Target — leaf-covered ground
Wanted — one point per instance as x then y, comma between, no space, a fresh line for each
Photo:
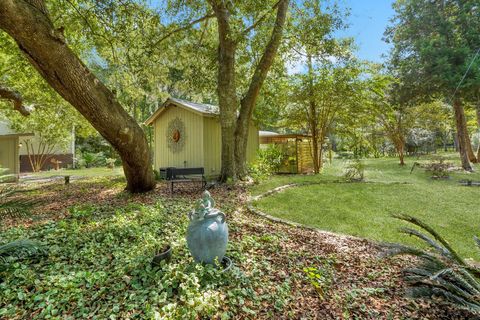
101,241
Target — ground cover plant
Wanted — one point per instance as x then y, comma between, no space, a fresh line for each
100,242
364,209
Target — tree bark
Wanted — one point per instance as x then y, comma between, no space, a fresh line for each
315,147
247,103
468,144
461,124
28,23
400,146
477,112
16,98
226,90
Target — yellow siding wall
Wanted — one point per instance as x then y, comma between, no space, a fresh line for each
213,145
253,143
192,151
9,154
212,140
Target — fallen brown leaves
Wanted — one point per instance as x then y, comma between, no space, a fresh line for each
363,287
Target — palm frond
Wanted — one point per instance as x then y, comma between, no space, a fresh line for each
14,207
20,249
442,273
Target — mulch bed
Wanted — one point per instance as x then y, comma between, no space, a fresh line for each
363,287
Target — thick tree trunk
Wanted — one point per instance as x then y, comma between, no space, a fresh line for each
226,90
461,124
45,47
248,102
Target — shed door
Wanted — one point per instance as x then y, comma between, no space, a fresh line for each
7,154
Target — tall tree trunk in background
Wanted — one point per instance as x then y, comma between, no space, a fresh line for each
247,104
312,116
468,144
27,22
477,112
400,146
461,124
315,143
226,90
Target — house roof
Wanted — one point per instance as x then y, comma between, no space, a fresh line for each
267,133
200,108
7,131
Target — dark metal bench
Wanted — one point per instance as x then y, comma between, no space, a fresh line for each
179,175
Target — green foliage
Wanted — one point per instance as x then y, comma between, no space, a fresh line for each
322,277
355,170
268,162
100,263
90,160
442,273
434,43
110,162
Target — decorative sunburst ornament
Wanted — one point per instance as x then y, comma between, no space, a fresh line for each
176,135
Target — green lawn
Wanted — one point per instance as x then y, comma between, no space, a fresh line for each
83,173
363,209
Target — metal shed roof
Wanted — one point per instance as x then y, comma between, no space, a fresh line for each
201,108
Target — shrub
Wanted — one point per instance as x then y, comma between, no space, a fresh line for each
110,162
441,273
268,161
439,169
90,160
355,170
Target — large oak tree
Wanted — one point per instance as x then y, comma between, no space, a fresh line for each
44,45
235,128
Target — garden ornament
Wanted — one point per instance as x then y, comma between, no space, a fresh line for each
207,233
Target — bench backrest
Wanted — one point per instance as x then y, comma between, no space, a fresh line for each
172,173
187,171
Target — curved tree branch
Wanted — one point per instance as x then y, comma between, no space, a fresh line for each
16,98
260,20
182,28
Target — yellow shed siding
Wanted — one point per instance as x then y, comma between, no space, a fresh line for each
253,143
9,154
213,145
192,154
212,140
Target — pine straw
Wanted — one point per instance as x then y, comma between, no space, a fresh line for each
364,286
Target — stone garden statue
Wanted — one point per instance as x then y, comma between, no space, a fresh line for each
207,233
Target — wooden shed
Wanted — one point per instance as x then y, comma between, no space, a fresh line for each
296,147
9,149
188,135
